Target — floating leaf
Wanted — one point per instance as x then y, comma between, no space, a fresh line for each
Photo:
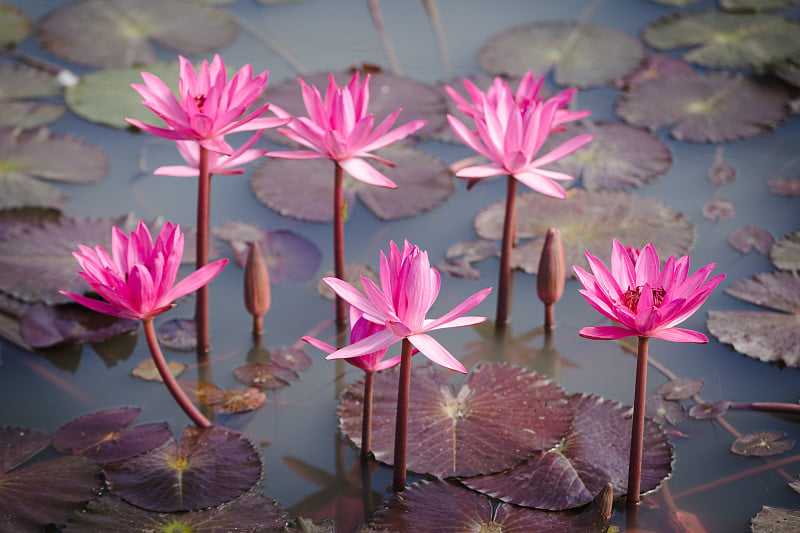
588,222
705,411
761,444
241,399
718,209
14,26
303,189
501,415
352,275
20,191
582,55
201,392
45,326
595,451
680,389
726,40
764,335
660,410
116,33
265,376
706,107
187,476
19,83
27,115
784,187
459,257
785,254
721,172
178,334
619,157
774,520
751,237
291,358
754,5
102,437
655,66
148,371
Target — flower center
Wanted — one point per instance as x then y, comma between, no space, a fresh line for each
630,298
199,100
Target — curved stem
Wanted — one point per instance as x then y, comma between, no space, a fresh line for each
401,427
770,407
504,281
169,380
203,214
366,416
637,431
338,244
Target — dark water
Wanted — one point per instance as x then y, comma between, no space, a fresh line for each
299,422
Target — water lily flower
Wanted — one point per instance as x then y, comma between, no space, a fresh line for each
210,105
339,128
644,299
217,163
138,279
409,287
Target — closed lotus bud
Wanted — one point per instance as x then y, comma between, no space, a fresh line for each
552,272
257,293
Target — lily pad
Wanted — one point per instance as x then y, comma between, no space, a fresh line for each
661,411
148,371
620,156
265,376
754,5
765,335
708,410
762,444
785,254
501,415
303,189
726,40
27,115
774,520
45,326
582,55
718,209
188,476
19,84
459,257
588,222
291,358
784,187
595,451
14,26
117,33
240,400
680,389
18,190
706,107
655,66
178,334
721,172
751,237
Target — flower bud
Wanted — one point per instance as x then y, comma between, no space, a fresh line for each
552,273
257,294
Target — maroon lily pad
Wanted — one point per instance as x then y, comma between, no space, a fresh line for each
352,275
706,107
420,508
718,209
102,436
784,187
265,376
14,26
595,451
178,334
708,410
619,157
582,55
661,410
655,66
501,415
303,189
751,237
785,254
210,466
774,520
45,326
251,512
680,389
767,336
45,492
115,33
762,444
588,221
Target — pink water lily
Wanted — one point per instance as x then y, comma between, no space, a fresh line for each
217,163
138,279
644,299
339,128
409,287
210,105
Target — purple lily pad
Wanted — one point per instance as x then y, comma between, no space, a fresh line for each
655,66
706,107
265,376
419,508
784,187
595,451
288,255
718,209
774,520
178,334
116,33
751,237
582,55
501,415
188,476
44,326
303,189
708,410
45,492
588,221
251,512
767,336
619,157
762,444
785,254
352,274
680,389
14,26
661,411
102,437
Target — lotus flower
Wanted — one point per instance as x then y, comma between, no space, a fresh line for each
409,287
137,281
340,129
217,163
643,299
210,105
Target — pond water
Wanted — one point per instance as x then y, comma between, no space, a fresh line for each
298,425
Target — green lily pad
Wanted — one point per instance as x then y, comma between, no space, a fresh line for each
582,55
14,26
727,40
18,191
785,254
118,33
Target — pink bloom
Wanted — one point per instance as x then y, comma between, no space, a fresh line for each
137,280
510,133
409,286
340,129
217,163
644,300
210,106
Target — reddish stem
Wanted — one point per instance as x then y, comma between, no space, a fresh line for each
637,431
338,245
504,281
549,317
169,380
203,214
366,416
401,427
770,407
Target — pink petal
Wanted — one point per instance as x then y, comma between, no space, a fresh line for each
195,280
462,308
99,305
563,150
605,333
537,182
437,353
324,346
363,171
482,171
366,346
680,335
350,295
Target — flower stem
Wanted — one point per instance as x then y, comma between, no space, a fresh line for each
366,416
203,214
504,281
637,431
770,407
401,427
549,317
169,380
338,244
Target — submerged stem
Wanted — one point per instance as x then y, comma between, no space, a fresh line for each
504,280
203,215
637,431
401,426
338,244
366,416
